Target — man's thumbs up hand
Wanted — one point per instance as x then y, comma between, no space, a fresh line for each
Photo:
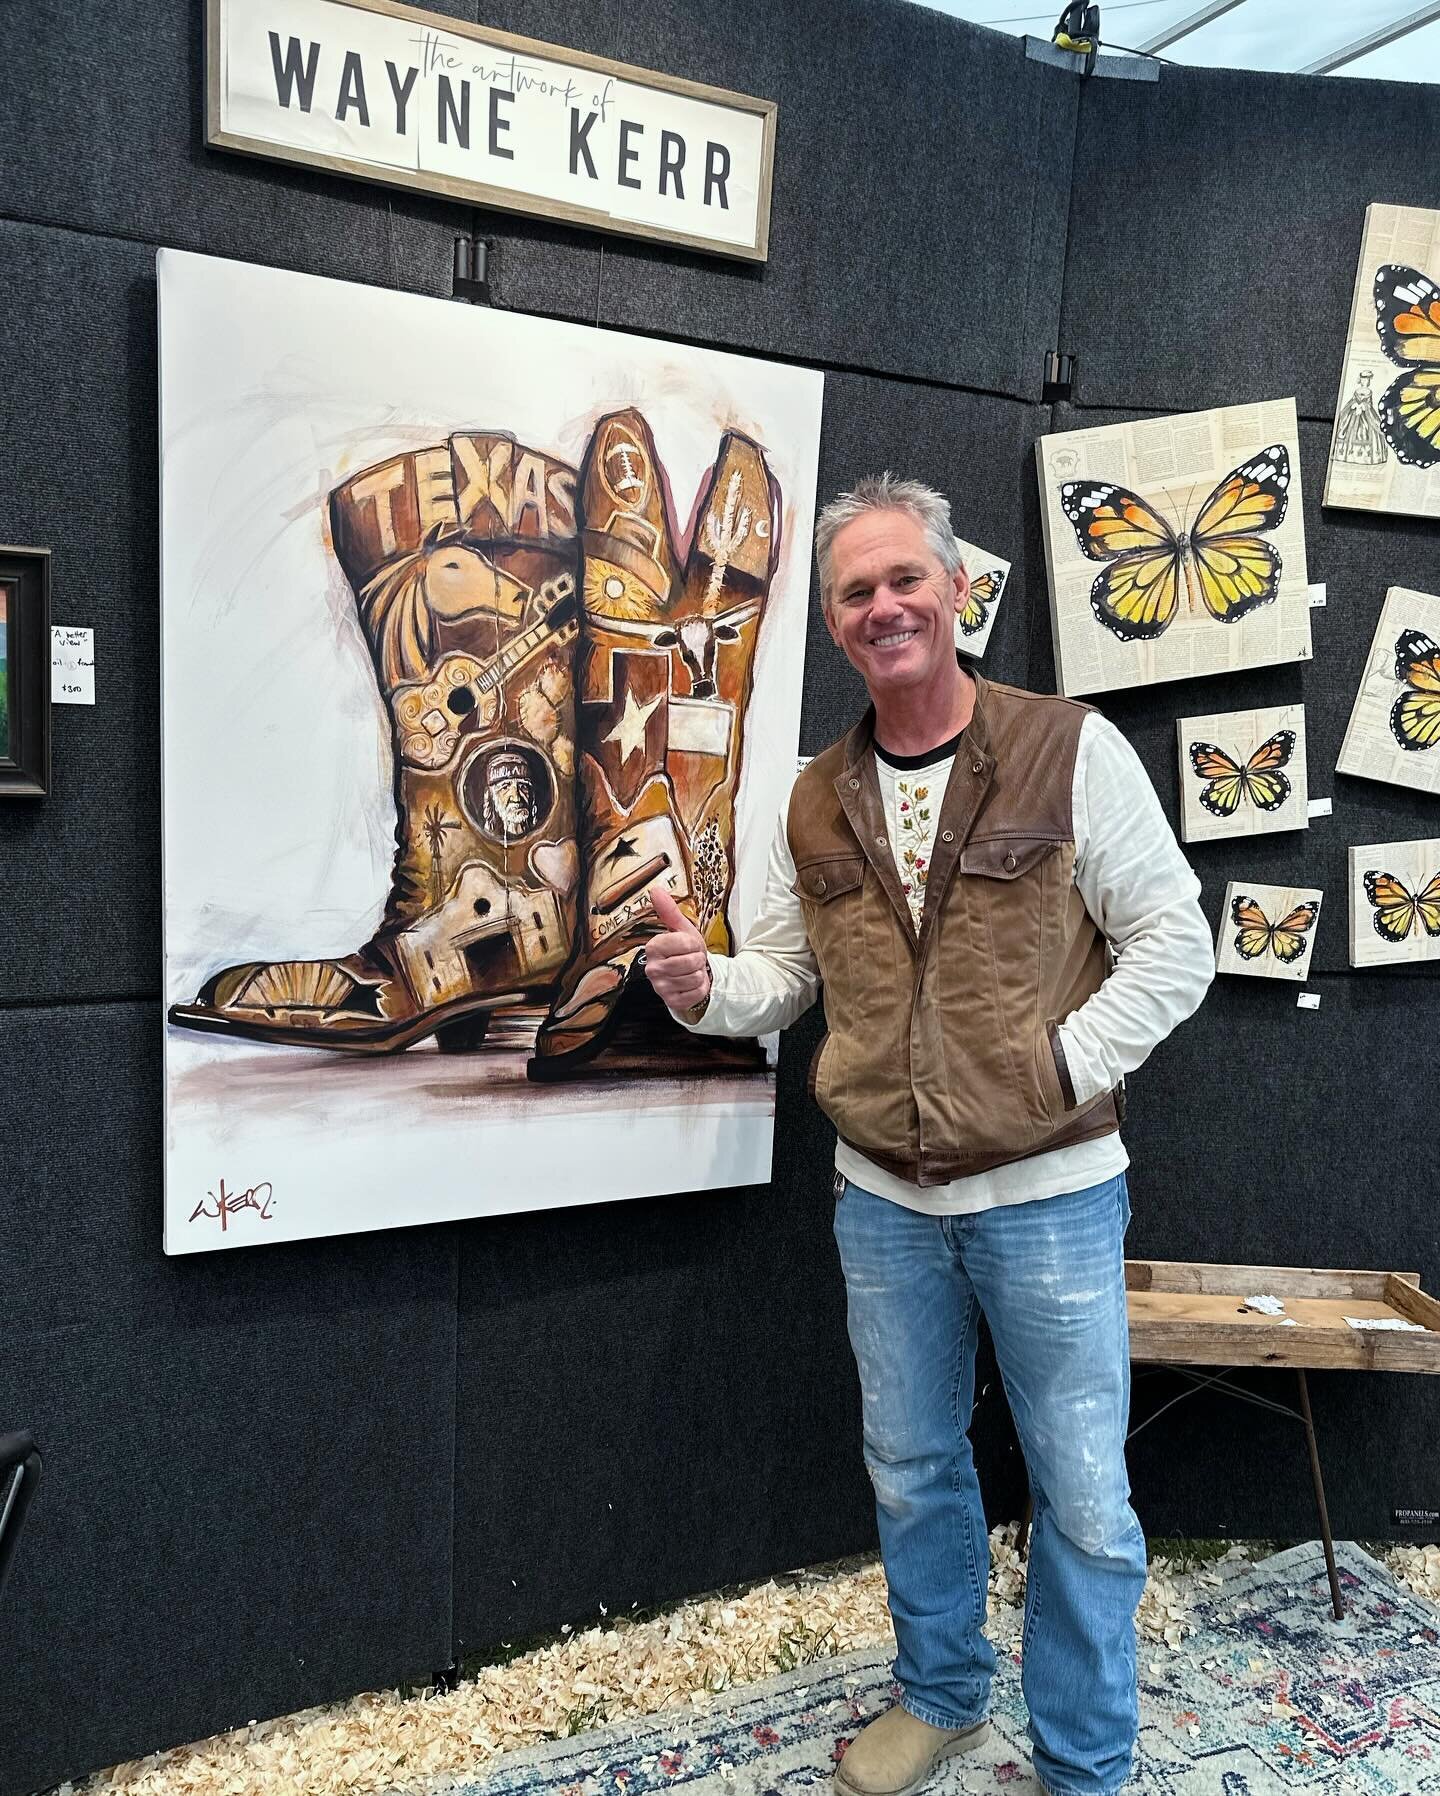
676,963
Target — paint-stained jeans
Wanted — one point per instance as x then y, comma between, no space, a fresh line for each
1049,1276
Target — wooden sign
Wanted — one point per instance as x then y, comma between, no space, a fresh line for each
1385,447
1394,903
1242,773
1267,931
1394,728
387,93
1175,547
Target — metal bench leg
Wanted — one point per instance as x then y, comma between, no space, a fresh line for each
1336,1600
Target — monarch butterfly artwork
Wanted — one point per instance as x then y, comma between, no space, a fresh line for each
1407,320
1219,560
1256,935
1229,781
1415,715
985,590
1398,910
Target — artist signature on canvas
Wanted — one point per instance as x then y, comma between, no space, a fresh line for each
219,1206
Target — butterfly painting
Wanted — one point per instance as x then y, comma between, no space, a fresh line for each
1267,930
974,621
1407,320
984,591
1415,715
1258,780
1394,903
1219,559
1398,910
1286,939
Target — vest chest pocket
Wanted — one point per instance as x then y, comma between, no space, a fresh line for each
1007,857
822,880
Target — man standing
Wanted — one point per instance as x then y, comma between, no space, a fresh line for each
984,883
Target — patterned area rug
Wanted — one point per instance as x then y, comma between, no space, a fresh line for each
1270,1696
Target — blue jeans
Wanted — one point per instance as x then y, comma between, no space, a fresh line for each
1049,1276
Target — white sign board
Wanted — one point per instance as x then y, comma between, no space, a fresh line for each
413,99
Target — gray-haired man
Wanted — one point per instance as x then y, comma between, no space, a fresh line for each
956,872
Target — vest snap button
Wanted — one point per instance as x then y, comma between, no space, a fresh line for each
1009,863
818,885
881,841
977,766
947,835
854,785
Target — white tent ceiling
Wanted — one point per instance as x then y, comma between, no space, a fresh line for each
1393,40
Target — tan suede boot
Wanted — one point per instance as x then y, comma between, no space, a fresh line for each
897,1752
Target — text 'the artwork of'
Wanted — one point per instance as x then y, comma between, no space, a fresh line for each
976,618
1267,931
1242,773
476,628
1394,903
1175,547
1385,449
1394,729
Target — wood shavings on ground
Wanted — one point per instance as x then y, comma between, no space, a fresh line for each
384,1740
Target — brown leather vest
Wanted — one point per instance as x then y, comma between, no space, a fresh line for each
942,1058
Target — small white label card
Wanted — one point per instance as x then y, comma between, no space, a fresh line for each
1317,595
1319,807
72,665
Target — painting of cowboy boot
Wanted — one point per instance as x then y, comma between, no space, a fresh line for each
665,678
452,669
462,560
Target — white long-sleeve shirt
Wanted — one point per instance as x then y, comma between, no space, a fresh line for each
1136,885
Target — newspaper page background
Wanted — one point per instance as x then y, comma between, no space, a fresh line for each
1276,902
1239,734
973,636
1415,864
1363,470
1371,750
1173,463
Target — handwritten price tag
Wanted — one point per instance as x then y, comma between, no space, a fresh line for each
1308,1001
72,665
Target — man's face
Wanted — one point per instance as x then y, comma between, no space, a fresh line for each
892,604
512,799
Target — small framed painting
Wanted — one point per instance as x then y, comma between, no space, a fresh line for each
1394,903
1242,773
24,672
988,575
1267,931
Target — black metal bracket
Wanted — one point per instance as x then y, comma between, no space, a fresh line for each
471,277
1059,376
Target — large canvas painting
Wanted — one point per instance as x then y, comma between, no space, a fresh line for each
477,628
1175,547
1385,447
1394,728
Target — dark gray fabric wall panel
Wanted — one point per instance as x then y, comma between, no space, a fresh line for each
1216,230
111,140
978,451
1266,1135
80,870
921,181
246,1504
1357,557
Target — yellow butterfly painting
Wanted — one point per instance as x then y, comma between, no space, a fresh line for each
1229,781
1415,715
985,591
1407,319
1287,940
1219,560
1398,910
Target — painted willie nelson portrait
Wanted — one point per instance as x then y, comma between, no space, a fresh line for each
468,644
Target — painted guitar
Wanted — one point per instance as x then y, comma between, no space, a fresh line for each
431,714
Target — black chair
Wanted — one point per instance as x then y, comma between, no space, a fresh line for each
20,1468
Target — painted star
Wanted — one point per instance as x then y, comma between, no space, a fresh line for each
624,849
630,731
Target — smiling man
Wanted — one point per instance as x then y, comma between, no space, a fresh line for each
960,873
